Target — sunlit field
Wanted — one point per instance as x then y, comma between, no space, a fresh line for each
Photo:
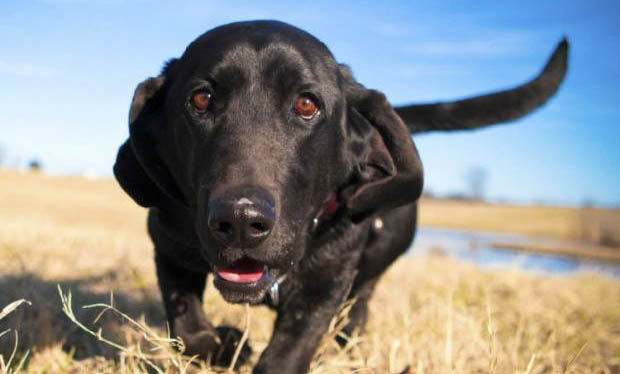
428,315
599,227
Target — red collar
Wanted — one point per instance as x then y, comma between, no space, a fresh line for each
330,207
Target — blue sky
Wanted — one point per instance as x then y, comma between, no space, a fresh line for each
68,69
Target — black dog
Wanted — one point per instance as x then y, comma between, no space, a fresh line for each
263,161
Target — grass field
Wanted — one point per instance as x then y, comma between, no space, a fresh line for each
577,232
598,226
429,315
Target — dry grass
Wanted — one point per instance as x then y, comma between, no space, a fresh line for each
430,315
599,226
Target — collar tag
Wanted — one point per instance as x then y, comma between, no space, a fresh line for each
274,291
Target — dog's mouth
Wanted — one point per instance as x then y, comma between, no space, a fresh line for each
244,281
244,271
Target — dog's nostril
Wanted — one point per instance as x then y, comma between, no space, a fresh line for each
223,227
242,217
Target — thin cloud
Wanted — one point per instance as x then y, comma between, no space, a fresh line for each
398,30
504,44
426,70
73,2
28,70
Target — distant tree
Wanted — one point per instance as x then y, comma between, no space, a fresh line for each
476,179
587,203
428,194
35,165
457,196
2,155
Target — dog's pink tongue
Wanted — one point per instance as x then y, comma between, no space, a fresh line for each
242,272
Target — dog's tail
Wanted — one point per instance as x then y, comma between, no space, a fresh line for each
493,108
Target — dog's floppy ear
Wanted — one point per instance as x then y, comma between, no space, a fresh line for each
387,168
139,168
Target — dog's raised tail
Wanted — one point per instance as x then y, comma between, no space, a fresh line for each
489,109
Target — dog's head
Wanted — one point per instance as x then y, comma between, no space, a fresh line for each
266,144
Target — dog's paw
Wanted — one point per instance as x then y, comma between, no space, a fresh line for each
229,338
203,343
217,345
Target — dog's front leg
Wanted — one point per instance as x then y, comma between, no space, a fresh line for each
304,318
182,293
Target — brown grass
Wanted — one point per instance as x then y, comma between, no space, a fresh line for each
430,315
602,254
597,226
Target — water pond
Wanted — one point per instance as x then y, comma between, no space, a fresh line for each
476,247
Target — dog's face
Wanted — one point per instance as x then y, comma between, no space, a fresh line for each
267,143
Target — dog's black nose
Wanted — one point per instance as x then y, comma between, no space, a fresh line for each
242,217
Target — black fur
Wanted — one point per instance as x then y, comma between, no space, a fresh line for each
178,160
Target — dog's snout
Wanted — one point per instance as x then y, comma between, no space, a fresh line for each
242,218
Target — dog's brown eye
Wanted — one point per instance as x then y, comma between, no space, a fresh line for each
201,100
305,107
